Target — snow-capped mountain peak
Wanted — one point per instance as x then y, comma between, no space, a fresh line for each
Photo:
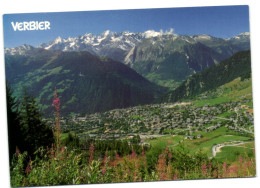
106,33
241,36
127,33
117,45
244,34
123,40
58,40
20,50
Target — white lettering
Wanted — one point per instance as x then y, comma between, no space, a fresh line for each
20,26
26,25
47,25
30,26
14,25
41,26
36,25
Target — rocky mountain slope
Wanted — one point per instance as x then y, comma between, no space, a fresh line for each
85,83
164,58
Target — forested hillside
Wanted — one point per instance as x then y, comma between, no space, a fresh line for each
239,65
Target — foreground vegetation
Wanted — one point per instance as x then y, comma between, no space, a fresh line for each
59,166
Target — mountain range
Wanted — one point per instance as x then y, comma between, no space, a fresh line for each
164,58
94,73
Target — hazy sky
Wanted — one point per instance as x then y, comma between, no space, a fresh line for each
219,21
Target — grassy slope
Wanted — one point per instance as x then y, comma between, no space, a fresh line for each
205,143
232,91
231,153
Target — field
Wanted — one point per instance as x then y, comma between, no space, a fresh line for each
205,144
230,153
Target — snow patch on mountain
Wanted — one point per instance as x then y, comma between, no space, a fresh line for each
123,40
241,36
20,50
205,37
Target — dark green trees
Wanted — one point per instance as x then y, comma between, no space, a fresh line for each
14,129
35,131
26,129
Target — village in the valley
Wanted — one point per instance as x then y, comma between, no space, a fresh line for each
155,120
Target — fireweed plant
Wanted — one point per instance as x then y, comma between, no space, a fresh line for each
59,165
57,131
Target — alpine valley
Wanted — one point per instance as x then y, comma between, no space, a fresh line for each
113,70
126,107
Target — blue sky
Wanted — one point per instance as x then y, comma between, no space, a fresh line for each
219,21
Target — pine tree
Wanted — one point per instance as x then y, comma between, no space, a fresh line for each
14,128
36,133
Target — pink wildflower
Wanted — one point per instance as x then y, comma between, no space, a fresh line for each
105,160
104,170
175,177
170,155
52,153
56,102
241,159
117,157
28,168
233,169
225,165
143,153
17,151
161,165
91,153
204,167
163,176
225,169
249,164
133,155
